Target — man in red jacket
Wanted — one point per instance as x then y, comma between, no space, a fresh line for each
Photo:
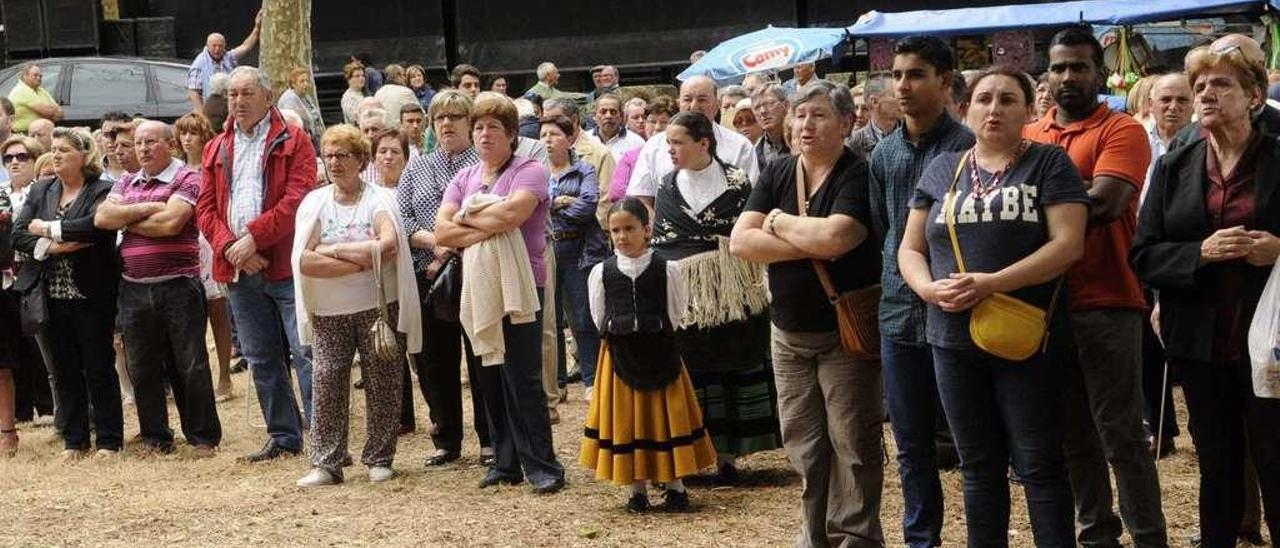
255,174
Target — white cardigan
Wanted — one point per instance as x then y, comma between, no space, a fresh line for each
497,281
410,319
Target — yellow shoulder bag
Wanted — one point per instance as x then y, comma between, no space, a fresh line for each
1003,326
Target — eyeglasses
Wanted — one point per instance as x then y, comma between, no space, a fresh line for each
20,156
337,156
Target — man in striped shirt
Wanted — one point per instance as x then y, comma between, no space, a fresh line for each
162,304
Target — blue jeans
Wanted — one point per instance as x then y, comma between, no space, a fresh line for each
575,309
1000,410
263,310
911,392
517,408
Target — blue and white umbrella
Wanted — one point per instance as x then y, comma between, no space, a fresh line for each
770,48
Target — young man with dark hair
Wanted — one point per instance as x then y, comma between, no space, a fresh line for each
923,72
1102,386
467,79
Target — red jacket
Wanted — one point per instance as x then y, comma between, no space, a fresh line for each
289,173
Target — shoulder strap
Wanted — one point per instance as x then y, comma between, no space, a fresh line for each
949,211
802,205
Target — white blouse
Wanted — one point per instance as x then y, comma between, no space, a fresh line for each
701,187
677,297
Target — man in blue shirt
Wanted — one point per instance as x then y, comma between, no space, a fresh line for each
923,67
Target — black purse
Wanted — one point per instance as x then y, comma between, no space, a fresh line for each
34,309
445,296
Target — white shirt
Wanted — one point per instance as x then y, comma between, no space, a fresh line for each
701,187
654,162
354,292
1158,148
247,177
677,297
625,141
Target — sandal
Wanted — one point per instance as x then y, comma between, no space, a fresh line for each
8,443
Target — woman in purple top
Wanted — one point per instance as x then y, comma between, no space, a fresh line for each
513,391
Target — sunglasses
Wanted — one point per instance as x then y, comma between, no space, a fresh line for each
21,157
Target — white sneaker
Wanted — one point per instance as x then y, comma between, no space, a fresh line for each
318,477
381,473
587,393
42,421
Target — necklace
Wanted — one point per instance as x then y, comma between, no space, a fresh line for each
980,190
355,208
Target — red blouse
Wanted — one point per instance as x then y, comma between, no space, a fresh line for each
1229,202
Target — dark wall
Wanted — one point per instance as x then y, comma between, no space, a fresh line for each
389,30
578,34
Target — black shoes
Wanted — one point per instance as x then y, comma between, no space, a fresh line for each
494,479
638,503
1253,538
675,501
270,451
441,458
726,475
549,487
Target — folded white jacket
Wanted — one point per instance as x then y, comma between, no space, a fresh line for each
497,282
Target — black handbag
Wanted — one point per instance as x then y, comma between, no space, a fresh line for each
445,296
34,309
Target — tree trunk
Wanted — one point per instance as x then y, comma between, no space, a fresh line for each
286,41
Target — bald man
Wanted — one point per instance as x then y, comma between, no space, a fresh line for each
1170,103
215,59
697,94
1265,119
41,129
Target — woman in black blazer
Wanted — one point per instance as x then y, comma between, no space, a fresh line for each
69,286
1206,242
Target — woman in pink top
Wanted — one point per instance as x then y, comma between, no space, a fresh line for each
521,425
656,116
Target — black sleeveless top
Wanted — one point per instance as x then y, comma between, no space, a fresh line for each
637,327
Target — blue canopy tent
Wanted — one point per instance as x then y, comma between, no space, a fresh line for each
1027,16
770,48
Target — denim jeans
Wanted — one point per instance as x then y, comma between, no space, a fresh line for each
78,338
518,419
164,322
574,307
911,392
266,323
998,411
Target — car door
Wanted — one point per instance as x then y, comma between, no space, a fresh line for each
98,87
171,91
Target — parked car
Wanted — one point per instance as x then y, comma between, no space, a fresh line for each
87,87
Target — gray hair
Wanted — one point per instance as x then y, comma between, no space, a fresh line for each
635,102
248,71
732,91
565,104
876,86
837,94
218,83
373,114
775,90
545,68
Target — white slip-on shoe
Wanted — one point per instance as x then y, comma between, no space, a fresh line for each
381,473
318,477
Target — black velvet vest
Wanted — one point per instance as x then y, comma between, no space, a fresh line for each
637,327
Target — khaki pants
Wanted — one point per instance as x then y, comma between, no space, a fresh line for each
549,355
830,408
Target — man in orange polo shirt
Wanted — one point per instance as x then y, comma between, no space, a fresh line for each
1103,387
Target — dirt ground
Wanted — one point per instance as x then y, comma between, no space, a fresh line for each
177,501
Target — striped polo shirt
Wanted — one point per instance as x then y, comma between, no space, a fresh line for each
146,259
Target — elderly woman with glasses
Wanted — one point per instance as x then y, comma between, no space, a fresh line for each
1206,242
344,231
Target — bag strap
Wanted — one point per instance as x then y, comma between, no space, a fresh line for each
376,250
802,205
949,212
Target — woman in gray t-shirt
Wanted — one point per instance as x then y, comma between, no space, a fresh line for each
1020,212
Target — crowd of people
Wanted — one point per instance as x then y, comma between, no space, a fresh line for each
1000,266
